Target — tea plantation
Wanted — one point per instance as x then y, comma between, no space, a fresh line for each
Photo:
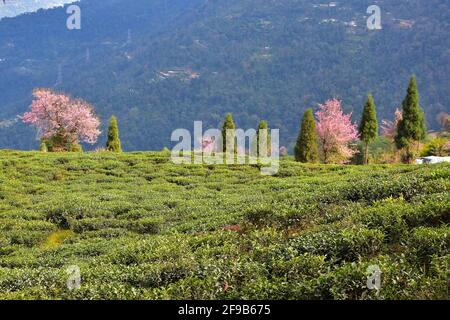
140,227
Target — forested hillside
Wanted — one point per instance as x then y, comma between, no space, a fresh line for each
159,65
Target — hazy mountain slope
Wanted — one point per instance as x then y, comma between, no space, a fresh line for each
161,65
11,8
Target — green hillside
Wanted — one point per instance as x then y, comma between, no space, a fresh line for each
139,226
160,65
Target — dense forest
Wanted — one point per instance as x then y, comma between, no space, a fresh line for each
159,65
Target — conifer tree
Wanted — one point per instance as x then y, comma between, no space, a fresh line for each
263,125
368,129
43,146
228,124
412,128
307,149
113,144
75,147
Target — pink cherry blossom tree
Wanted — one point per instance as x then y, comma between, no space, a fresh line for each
208,144
62,120
336,131
389,128
284,151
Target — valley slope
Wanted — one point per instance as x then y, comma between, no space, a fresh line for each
160,65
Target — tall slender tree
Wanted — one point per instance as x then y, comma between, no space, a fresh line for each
368,129
113,144
412,128
43,146
263,125
228,124
307,148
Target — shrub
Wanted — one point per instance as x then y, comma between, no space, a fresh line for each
437,147
147,225
425,242
387,217
434,211
113,144
43,147
347,244
260,216
308,233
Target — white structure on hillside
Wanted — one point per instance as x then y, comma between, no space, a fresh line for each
432,159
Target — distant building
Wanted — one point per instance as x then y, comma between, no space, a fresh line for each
432,160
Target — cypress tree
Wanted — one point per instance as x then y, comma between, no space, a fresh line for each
263,125
43,146
228,124
306,148
368,128
412,128
75,147
113,144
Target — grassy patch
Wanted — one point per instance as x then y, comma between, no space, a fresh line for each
56,238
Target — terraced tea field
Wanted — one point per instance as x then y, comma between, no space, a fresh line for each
140,227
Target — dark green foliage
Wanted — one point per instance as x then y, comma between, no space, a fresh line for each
75,147
113,144
412,128
368,128
428,242
264,64
377,150
228,124
263,125
307,149
147,225
260,216
347,244
59,144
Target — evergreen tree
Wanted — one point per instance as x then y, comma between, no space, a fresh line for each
228,124
43,146
75,147
307,149
113,144
368,128
263,125
412,128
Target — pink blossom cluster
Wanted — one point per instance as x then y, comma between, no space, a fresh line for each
55,113
283,151
335,129
208,144
389,128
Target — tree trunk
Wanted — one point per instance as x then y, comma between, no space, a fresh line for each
366,153
409,158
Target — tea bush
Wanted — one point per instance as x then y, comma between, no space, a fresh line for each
428,242
140,227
